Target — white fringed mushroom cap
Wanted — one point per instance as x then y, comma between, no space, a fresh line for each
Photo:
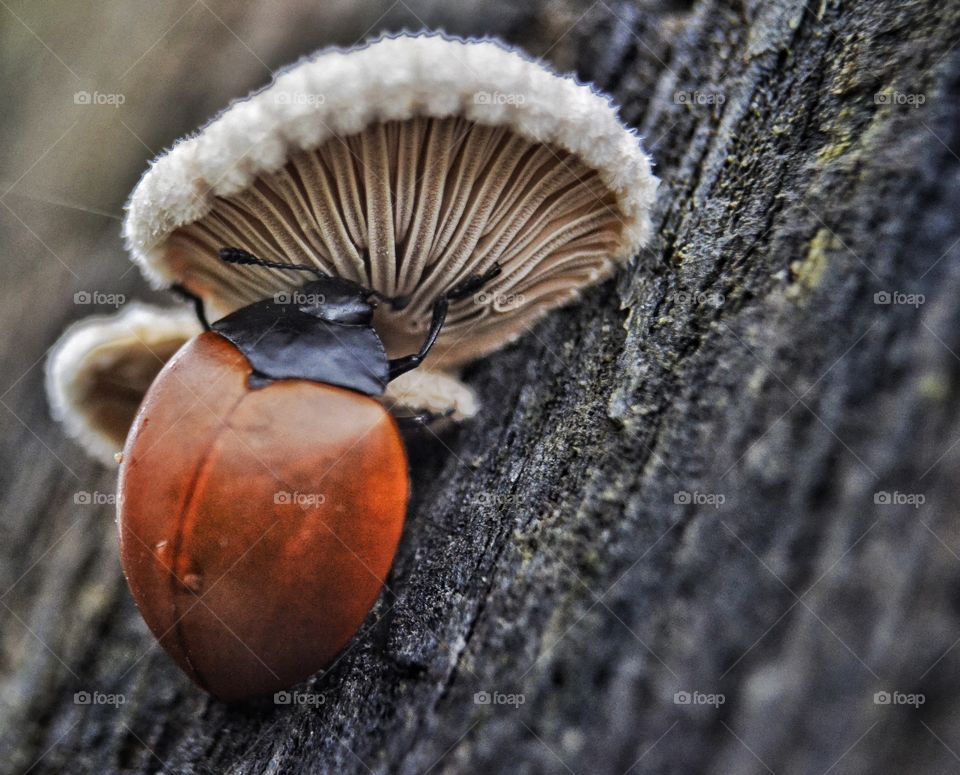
101,366
283,140
407,165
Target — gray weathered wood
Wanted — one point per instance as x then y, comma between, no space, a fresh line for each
549,552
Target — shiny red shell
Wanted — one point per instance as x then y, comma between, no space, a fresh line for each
257,526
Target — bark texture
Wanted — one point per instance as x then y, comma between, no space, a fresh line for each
702,483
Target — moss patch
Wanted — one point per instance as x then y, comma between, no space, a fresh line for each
808,272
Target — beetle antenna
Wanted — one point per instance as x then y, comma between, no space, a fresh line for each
240,256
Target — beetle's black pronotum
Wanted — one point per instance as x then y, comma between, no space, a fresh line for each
323,331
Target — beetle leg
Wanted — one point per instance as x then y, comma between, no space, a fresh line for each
405,363
472,284
197,302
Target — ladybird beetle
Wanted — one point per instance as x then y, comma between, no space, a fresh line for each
263,488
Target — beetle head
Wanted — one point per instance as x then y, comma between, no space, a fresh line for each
335,300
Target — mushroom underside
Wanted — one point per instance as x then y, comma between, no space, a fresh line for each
115,379
411,208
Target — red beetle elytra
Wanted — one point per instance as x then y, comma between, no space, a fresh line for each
262,487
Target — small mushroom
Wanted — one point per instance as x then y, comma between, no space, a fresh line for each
406,165
101,367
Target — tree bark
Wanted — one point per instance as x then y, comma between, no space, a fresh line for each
704,517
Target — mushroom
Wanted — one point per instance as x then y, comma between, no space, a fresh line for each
406,165
100,368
